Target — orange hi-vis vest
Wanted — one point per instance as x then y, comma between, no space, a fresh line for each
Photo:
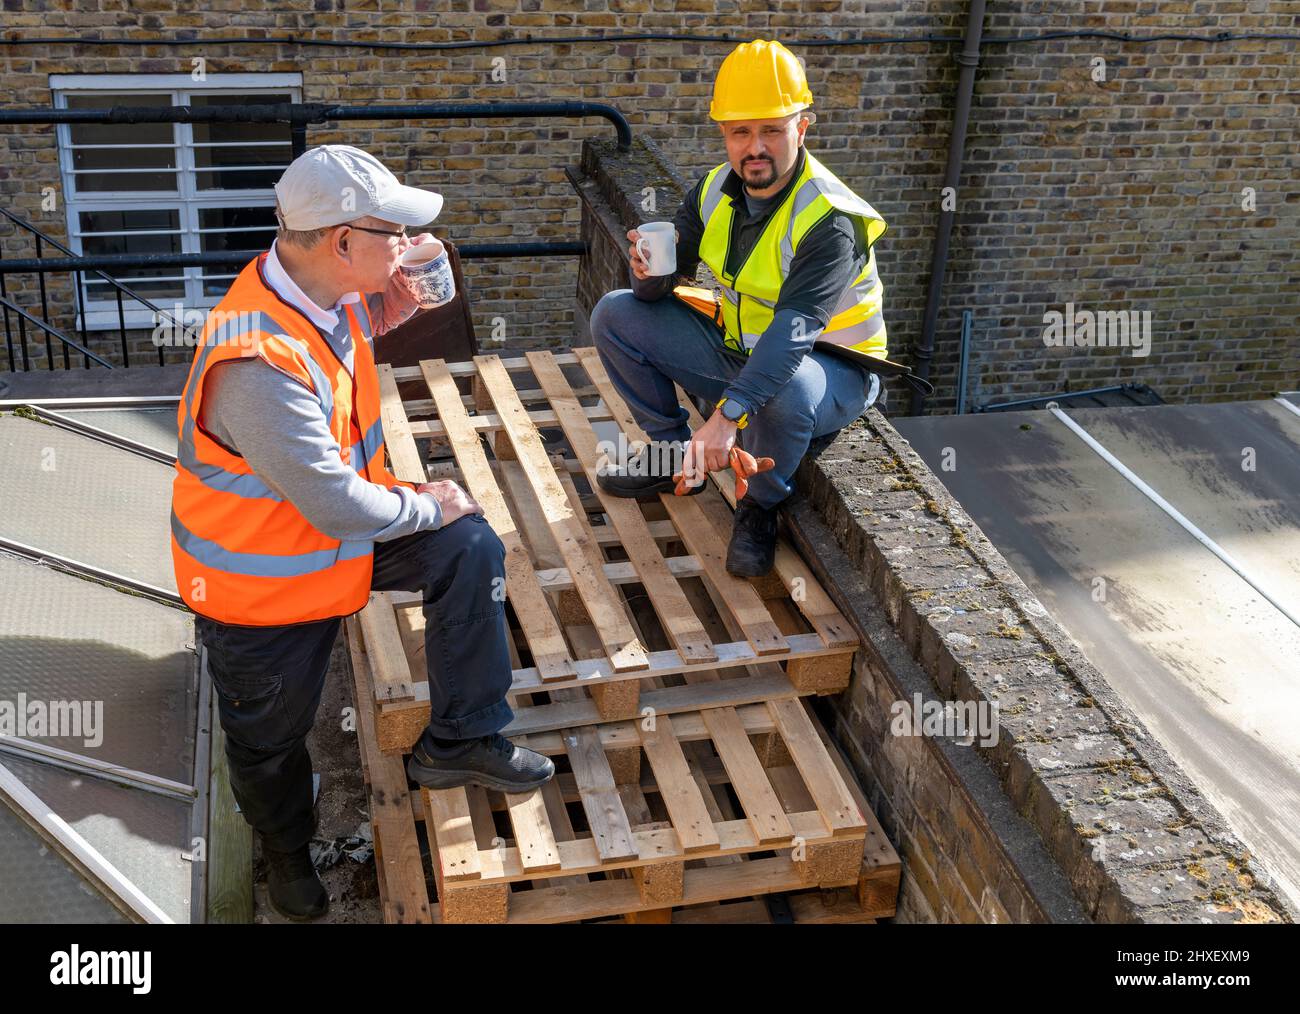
242,553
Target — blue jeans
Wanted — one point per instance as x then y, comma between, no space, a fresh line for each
268,680
646,346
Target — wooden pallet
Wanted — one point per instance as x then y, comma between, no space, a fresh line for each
649,823
818,824
667,690
521,438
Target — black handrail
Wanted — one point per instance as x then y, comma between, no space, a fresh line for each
299,114
76,265
50,329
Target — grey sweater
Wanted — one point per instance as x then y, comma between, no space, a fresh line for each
278,427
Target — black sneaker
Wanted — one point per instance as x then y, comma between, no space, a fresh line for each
492,761
753,540
294,889
648,473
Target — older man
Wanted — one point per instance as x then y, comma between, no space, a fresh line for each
790,247
285,515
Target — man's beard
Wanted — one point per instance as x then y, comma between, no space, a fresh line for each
761,184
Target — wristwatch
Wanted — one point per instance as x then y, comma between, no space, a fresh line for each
733,411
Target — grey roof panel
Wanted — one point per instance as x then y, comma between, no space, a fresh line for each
38,886
140,833
86,500
1233,469
68,639
1202,657
154,427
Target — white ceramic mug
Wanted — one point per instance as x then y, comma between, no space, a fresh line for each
428,273
657,246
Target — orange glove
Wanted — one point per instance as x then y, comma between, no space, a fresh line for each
743,464
746,465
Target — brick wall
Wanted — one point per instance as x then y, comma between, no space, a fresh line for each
1121,194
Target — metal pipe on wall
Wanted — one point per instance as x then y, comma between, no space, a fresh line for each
968,59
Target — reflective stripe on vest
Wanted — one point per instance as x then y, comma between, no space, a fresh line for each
243,554
749,298
264,564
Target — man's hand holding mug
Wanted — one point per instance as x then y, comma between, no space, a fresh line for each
654,250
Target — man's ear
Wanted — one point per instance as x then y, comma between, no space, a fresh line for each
342,241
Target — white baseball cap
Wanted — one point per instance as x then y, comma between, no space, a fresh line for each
336,183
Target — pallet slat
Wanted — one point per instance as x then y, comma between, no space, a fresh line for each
392,672
397,849
448,811
681,795
610,827
762,808
824,783
528,817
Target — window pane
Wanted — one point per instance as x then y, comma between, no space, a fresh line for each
221,145
131,135
120,133
124,158
274,156
131,219
145,281
98,183
236,179
205,133
259,220
141,237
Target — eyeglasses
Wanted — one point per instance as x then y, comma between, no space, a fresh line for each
401,233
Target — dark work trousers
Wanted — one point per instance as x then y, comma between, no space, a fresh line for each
268,680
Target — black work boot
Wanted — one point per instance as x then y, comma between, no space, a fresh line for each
647,474
294,889
491,761
753,540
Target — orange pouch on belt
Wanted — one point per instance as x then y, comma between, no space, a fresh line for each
700,299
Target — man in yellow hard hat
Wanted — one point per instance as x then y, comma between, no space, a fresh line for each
790,248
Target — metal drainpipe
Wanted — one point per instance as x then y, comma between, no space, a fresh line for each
968,58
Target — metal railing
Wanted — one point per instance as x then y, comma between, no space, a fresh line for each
1134,394
78,267
297,116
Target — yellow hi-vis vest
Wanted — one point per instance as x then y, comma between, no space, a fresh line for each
749,297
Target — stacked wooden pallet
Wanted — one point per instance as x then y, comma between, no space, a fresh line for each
668,691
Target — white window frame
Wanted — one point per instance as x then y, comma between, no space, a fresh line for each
102,314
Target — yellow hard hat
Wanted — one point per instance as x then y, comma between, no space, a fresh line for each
759,80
